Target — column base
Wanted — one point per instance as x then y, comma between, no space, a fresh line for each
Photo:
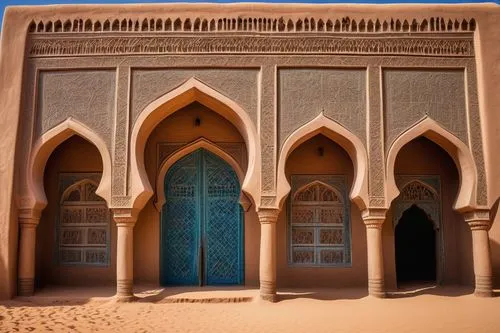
25,286
376,288
273,298
125,299
268,291
484,286
125,290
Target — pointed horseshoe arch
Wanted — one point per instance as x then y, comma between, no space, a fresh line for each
192,90
340,135
186,150
458,151
48,142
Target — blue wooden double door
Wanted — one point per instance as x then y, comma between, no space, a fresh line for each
202,223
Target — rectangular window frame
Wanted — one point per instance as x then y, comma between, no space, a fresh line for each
66,180
339,182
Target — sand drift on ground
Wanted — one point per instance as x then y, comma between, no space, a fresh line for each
296,312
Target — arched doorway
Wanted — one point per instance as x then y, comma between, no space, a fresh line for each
415,241
201,223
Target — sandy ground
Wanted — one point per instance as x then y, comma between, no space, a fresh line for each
430,310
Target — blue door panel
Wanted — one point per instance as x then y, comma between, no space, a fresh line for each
202,223
222,223
180,241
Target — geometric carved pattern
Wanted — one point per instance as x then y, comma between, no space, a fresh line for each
201,230
367,45
422,191
223,225
417,191
83,227
319,224
180,230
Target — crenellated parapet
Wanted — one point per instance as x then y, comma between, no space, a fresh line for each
249,23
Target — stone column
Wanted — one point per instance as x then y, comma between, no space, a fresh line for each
374,219
125,221
28,221
267,267
479,222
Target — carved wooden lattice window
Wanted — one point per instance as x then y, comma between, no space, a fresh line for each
83,229
319,231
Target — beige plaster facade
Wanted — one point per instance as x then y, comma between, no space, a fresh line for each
386,106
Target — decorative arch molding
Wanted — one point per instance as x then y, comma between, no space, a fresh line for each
335,192
458,151
76,186
427,199
192,90
186,150
44,147
339,134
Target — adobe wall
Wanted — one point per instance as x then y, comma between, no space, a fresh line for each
50,70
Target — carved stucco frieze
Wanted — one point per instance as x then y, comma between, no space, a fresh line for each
69,46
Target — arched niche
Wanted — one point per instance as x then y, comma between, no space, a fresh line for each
338,134
44,147
456,149
192,90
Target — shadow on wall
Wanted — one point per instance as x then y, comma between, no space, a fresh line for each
495,245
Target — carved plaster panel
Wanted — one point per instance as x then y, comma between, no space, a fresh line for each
239,84
375,148
86,95
411,94
461,45
268,128
306,92
421,190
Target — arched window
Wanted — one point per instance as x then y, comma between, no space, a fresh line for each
83,234
319,228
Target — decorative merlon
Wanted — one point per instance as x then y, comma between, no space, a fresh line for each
250,23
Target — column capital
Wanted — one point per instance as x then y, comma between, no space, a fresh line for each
125,217
478,219
268,215
29,217
374,217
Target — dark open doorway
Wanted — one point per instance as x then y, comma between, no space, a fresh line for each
415,240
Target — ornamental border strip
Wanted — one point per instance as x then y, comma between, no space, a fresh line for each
436,46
